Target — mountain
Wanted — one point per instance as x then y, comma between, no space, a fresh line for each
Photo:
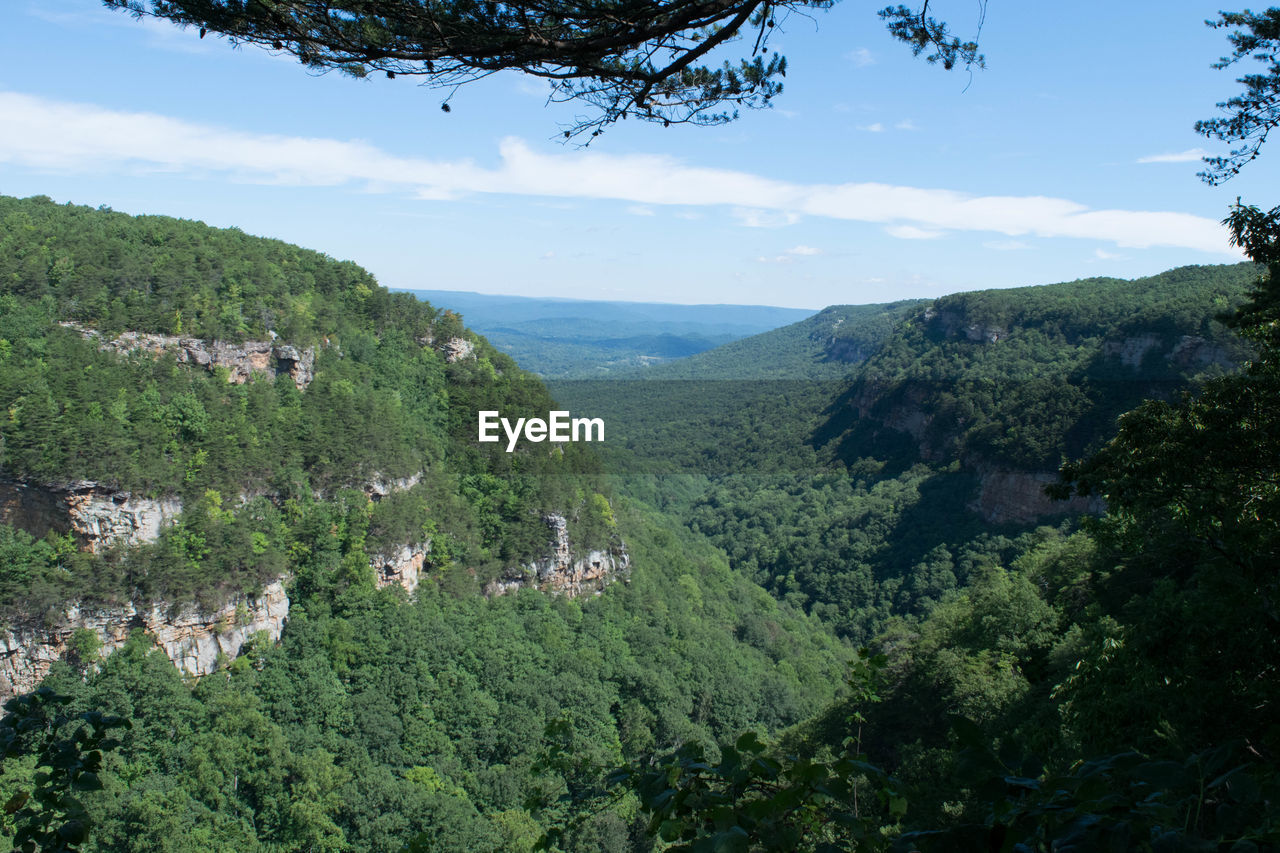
876,445
245,510
277,595
565,338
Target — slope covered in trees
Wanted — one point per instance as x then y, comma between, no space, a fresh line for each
454,721
844,484
1107,689
878,493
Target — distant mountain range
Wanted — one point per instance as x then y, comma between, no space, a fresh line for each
571,338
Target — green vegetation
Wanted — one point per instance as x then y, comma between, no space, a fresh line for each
382,406
1025,684
452,722
844,481
462,722
1109,688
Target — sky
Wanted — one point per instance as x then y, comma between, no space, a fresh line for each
875,177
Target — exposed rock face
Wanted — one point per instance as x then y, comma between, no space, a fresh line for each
401,566
559,572
456,349
1195,351
1018,496
194,641
955,324
847,351
1131,351
98,516
379,487
1191,352
241,360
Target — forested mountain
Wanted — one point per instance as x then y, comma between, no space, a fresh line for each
878,492
650,644
1037,688
578,338
284,419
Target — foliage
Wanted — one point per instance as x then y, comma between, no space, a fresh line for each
751,798
1251,116
50,817
146,424
633,59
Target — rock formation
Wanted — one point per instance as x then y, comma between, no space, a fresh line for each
240,360
98,516
456,349
193,640
1018,496
558,572
402,566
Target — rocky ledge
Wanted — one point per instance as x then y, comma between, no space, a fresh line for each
98,516
401,566
242,361
559,572
195,641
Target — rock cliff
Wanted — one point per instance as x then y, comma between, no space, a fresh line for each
402,566
98,516
559,572
241,360
1018,497
195,641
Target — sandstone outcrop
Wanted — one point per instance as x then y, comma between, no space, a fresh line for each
195,641
98,516
402,566
1018,496
241,360
456,349
560,572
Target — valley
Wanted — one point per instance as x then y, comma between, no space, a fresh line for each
812,581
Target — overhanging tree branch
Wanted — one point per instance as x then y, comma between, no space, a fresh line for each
624,58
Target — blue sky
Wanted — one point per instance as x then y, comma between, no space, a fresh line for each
876,177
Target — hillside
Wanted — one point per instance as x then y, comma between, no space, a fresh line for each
575,338
226,454
876,493
822,346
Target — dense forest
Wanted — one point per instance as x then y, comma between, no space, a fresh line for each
827,640
375,722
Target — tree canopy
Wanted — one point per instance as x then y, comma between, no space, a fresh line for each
647,59
1253,114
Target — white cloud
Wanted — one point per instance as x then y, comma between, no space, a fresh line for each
641,210
875,127
861,57
911,232
1188,156
77,138
754,217
1006,245
803,250
906,124
1103,255
776,259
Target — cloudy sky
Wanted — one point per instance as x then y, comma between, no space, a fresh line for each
876,177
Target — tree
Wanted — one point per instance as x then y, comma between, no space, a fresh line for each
623,58
1252,115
